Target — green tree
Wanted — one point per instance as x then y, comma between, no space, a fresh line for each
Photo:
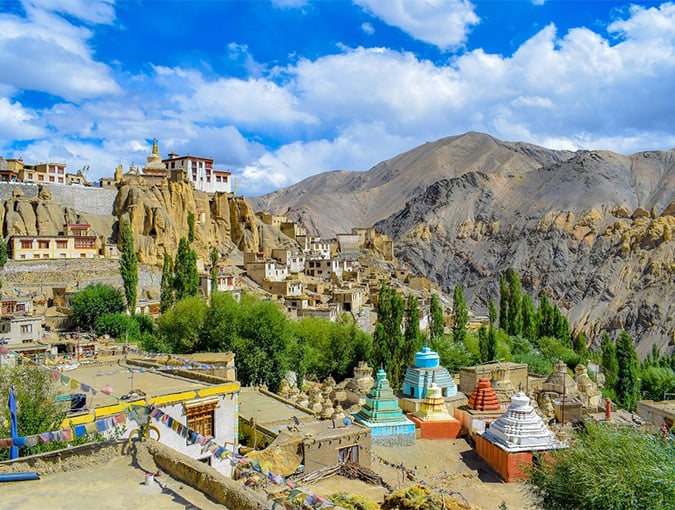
92,302
609,364
214,257
545,318
461,314
529,316
483,344
504,303
186,276
388,340
437,324
191,226
412,336
627,383
167,295
221,324
492,344
179,327
3,255
514,303
606,466
581,344
119,326
128,265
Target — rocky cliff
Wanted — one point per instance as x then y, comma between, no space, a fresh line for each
592,229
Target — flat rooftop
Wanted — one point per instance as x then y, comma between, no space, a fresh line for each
122,382
268,411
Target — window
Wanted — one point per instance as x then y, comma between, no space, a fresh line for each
43,244
61,244
200,417
26,328
26,244
51,178
349,454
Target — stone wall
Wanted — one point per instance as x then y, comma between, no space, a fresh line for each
81,198
206,479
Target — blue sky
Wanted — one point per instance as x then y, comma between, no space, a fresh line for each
278,90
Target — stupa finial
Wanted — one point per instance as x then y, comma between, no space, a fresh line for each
155,150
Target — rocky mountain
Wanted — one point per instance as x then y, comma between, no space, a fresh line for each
592,229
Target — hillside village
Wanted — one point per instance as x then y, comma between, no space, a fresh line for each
253,445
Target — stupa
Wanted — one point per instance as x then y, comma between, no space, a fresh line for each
358,386
589,394
508,444
433,418
427,370
382,415
155,167
483,407
560,381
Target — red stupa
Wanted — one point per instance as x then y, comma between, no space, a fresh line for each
483,397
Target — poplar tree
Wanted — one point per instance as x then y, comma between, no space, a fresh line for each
191,226
128,265
437,325
503,303
461,314
627,383
529,316
387,339
186,276
412,335
492,333
610,366
166,293
483,343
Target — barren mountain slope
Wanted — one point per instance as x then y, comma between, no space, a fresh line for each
593,232
335,202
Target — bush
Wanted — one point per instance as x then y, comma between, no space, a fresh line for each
615,467
119,326
94,301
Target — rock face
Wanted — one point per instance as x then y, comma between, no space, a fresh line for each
591,229
158,217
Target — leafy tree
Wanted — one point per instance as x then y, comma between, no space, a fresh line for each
179,327
492,344
529,317
483,344
128,265
581,344
221,324
504,304
453,355
628,383
167,295
412,336
388,340
461,314
94,301
186,276
615,467
119,326
37,411
437,324
655,381
191,226
514,303
3,253
609,364
214,256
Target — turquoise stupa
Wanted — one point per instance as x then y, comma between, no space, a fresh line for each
381,413
427,370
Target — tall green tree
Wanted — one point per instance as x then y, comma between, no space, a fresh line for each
166,292
214,257
437,324
388,339
3,255
492,344
412,336
628,383
186,276
483,344
504,303
92,302
179,327
128,265
191,226
609,364
529,315
514,303
545,318
461,314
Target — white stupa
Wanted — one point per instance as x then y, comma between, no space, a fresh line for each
521,429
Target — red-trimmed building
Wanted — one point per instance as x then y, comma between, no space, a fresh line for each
200,171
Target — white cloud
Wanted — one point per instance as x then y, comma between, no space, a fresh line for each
289,4
60,60
367,28
443,23
16,123
91,11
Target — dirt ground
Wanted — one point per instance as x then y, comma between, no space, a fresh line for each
110,485
451,465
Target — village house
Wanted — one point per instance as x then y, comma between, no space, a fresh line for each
350,298
292,230
325,269
200,172
206,405
227,282
271,219
9,169
51,173
294,261
75,243
284,288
